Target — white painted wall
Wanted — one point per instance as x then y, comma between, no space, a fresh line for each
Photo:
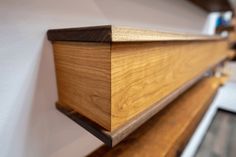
30,126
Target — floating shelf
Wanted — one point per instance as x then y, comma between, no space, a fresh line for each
167,133
111,79
110,33
111,138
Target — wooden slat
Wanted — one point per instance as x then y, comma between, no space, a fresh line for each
166,134
126,34
84,79
112,83
109,33
145,73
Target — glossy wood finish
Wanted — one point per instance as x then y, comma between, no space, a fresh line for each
166,134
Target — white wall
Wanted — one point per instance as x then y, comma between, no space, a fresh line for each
30,126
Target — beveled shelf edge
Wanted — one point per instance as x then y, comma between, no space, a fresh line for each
116,136
110,33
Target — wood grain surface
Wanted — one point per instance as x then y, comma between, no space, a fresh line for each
110,33
220,139
112,138
84,79
166,134
126,70
126,34
145,73
112,83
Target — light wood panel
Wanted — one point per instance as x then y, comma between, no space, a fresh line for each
126,34
84,79
145,73
111,84
166,134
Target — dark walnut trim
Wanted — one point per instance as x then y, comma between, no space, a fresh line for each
84,34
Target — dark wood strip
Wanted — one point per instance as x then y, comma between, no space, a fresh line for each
83,34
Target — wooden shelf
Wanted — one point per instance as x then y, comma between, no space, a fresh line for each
113,79
112,138
110,33
166,134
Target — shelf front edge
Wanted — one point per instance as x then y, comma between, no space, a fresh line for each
109,33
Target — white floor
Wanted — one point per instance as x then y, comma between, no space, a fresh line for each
226,99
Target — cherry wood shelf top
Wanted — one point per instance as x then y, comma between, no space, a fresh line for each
110,33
